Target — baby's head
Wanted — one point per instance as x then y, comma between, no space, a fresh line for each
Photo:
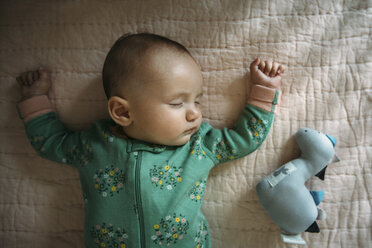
153,86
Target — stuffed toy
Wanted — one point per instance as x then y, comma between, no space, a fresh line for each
283,193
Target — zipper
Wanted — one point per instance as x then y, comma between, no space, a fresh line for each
139,200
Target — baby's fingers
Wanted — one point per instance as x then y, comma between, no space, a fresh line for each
19,80
268,67
261,65
28,78
274,69
25,78
33,76
22,78
281,69
255,64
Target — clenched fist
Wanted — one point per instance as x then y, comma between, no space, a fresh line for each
34,83
266,73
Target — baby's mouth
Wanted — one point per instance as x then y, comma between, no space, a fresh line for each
191,130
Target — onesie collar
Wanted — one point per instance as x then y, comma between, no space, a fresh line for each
138,145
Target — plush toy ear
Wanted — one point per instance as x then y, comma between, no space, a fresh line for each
335,159
332,139
314,228
321,173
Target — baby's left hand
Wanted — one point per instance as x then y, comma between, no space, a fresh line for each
34,83
266,73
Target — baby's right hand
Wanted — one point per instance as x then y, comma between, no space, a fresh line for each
34,83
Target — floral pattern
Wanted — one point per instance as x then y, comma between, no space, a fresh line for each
109,236
197,192
80,155
38,142
170,229
223,150
196,147
201,235
109,181
257,129
166,176
108,136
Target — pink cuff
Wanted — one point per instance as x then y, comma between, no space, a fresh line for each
263,97
33,107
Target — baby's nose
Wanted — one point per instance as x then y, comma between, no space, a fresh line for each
192,114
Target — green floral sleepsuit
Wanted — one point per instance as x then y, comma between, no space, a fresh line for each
139,194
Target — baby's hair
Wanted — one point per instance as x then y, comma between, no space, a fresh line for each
121,60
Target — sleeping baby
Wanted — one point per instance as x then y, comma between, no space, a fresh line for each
143,172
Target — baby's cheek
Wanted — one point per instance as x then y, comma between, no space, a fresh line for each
169,123
175,116
200,119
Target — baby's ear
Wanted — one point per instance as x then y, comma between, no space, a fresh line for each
119,110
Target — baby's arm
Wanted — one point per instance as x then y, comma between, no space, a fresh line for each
254,124
49,137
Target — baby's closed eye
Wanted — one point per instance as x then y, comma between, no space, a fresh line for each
180,104
176,104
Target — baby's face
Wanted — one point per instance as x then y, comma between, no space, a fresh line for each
167,109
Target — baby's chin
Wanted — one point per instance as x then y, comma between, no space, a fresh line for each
179,142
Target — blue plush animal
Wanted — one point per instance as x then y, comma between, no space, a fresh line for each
283,193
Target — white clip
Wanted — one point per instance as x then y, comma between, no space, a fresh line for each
293,239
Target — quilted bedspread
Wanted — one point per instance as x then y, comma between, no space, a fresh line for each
325,45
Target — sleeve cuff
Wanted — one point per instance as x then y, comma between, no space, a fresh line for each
264,97
33,107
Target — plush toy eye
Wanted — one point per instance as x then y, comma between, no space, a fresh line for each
305,130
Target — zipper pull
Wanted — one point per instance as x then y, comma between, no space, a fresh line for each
135,154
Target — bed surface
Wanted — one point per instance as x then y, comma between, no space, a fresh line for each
325,45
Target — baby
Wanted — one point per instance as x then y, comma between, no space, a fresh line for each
144,172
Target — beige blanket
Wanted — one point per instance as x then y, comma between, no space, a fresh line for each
326,46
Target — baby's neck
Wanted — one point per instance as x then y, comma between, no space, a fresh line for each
118,132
